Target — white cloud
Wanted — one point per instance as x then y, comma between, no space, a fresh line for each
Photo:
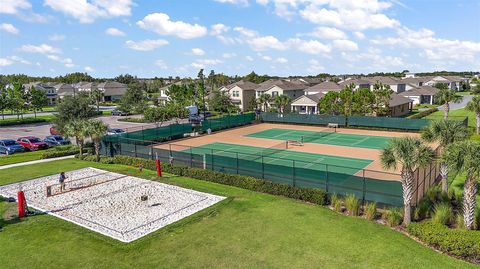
42,49
13,6
281,60
309,46
433,48
160,23
88,11
198,52
218,29
9,28
345,44
235,2
5,62
267,58
199,64
228,55
263,43
67,62
328,33
114,32
249,58
145,45
19,59
56,37
359,35
315,67
89,69
161,64
246,32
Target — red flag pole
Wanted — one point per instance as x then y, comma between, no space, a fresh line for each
159,167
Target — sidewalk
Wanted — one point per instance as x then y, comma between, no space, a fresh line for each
35,162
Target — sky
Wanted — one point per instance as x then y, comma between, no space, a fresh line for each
148,38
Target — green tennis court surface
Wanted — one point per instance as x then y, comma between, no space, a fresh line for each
302,169
284,157
328,136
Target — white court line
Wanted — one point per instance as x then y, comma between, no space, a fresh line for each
362,140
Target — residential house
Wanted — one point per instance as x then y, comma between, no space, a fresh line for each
64,89
399,105
323,87
307,104
421,95
359,83
397,85
86,86
241,93
452,82
276,87
48,88
112,90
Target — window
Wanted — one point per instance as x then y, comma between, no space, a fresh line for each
236,94
274,94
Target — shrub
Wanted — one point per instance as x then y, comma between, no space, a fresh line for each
336,202
476,222
315,196
422,210
458,242
60,151
424,113
442,214
459,221
393,217
370,211
352,204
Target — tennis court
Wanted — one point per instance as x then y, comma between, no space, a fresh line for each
327,136
279,156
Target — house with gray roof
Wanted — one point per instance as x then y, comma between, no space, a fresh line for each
421,95
242,93
452,82
307,104
112,90
323,87
49,90
276,87
399,105
64,89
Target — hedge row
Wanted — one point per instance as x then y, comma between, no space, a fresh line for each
12,122
315,196
424,113
60,151
458,242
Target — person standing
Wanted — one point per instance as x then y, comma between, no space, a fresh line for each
62,181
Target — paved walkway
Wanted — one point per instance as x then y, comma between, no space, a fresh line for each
462,104
35,162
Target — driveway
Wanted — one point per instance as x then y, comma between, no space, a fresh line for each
462,104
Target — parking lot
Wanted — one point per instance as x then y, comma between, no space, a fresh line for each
43,129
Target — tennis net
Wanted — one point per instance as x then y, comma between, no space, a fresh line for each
271,150
318,135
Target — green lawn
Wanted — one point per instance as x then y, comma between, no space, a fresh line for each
21,157
25,120
462,112
248,230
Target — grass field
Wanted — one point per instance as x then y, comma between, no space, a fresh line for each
455,113
248,230
21,157
327,137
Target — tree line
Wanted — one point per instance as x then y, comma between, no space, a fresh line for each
18,99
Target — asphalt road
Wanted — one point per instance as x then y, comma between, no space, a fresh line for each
462,104
43,129
8,116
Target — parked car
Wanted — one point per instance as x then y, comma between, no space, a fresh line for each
117,112
32,143
56,140
9,146
115,131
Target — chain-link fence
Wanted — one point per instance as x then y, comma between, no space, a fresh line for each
353,121
368,185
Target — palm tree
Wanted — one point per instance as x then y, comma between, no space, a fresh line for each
474,106
281,101
445,132
264,99
446,96
465,157
77,129
96,129
408,154
96,95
